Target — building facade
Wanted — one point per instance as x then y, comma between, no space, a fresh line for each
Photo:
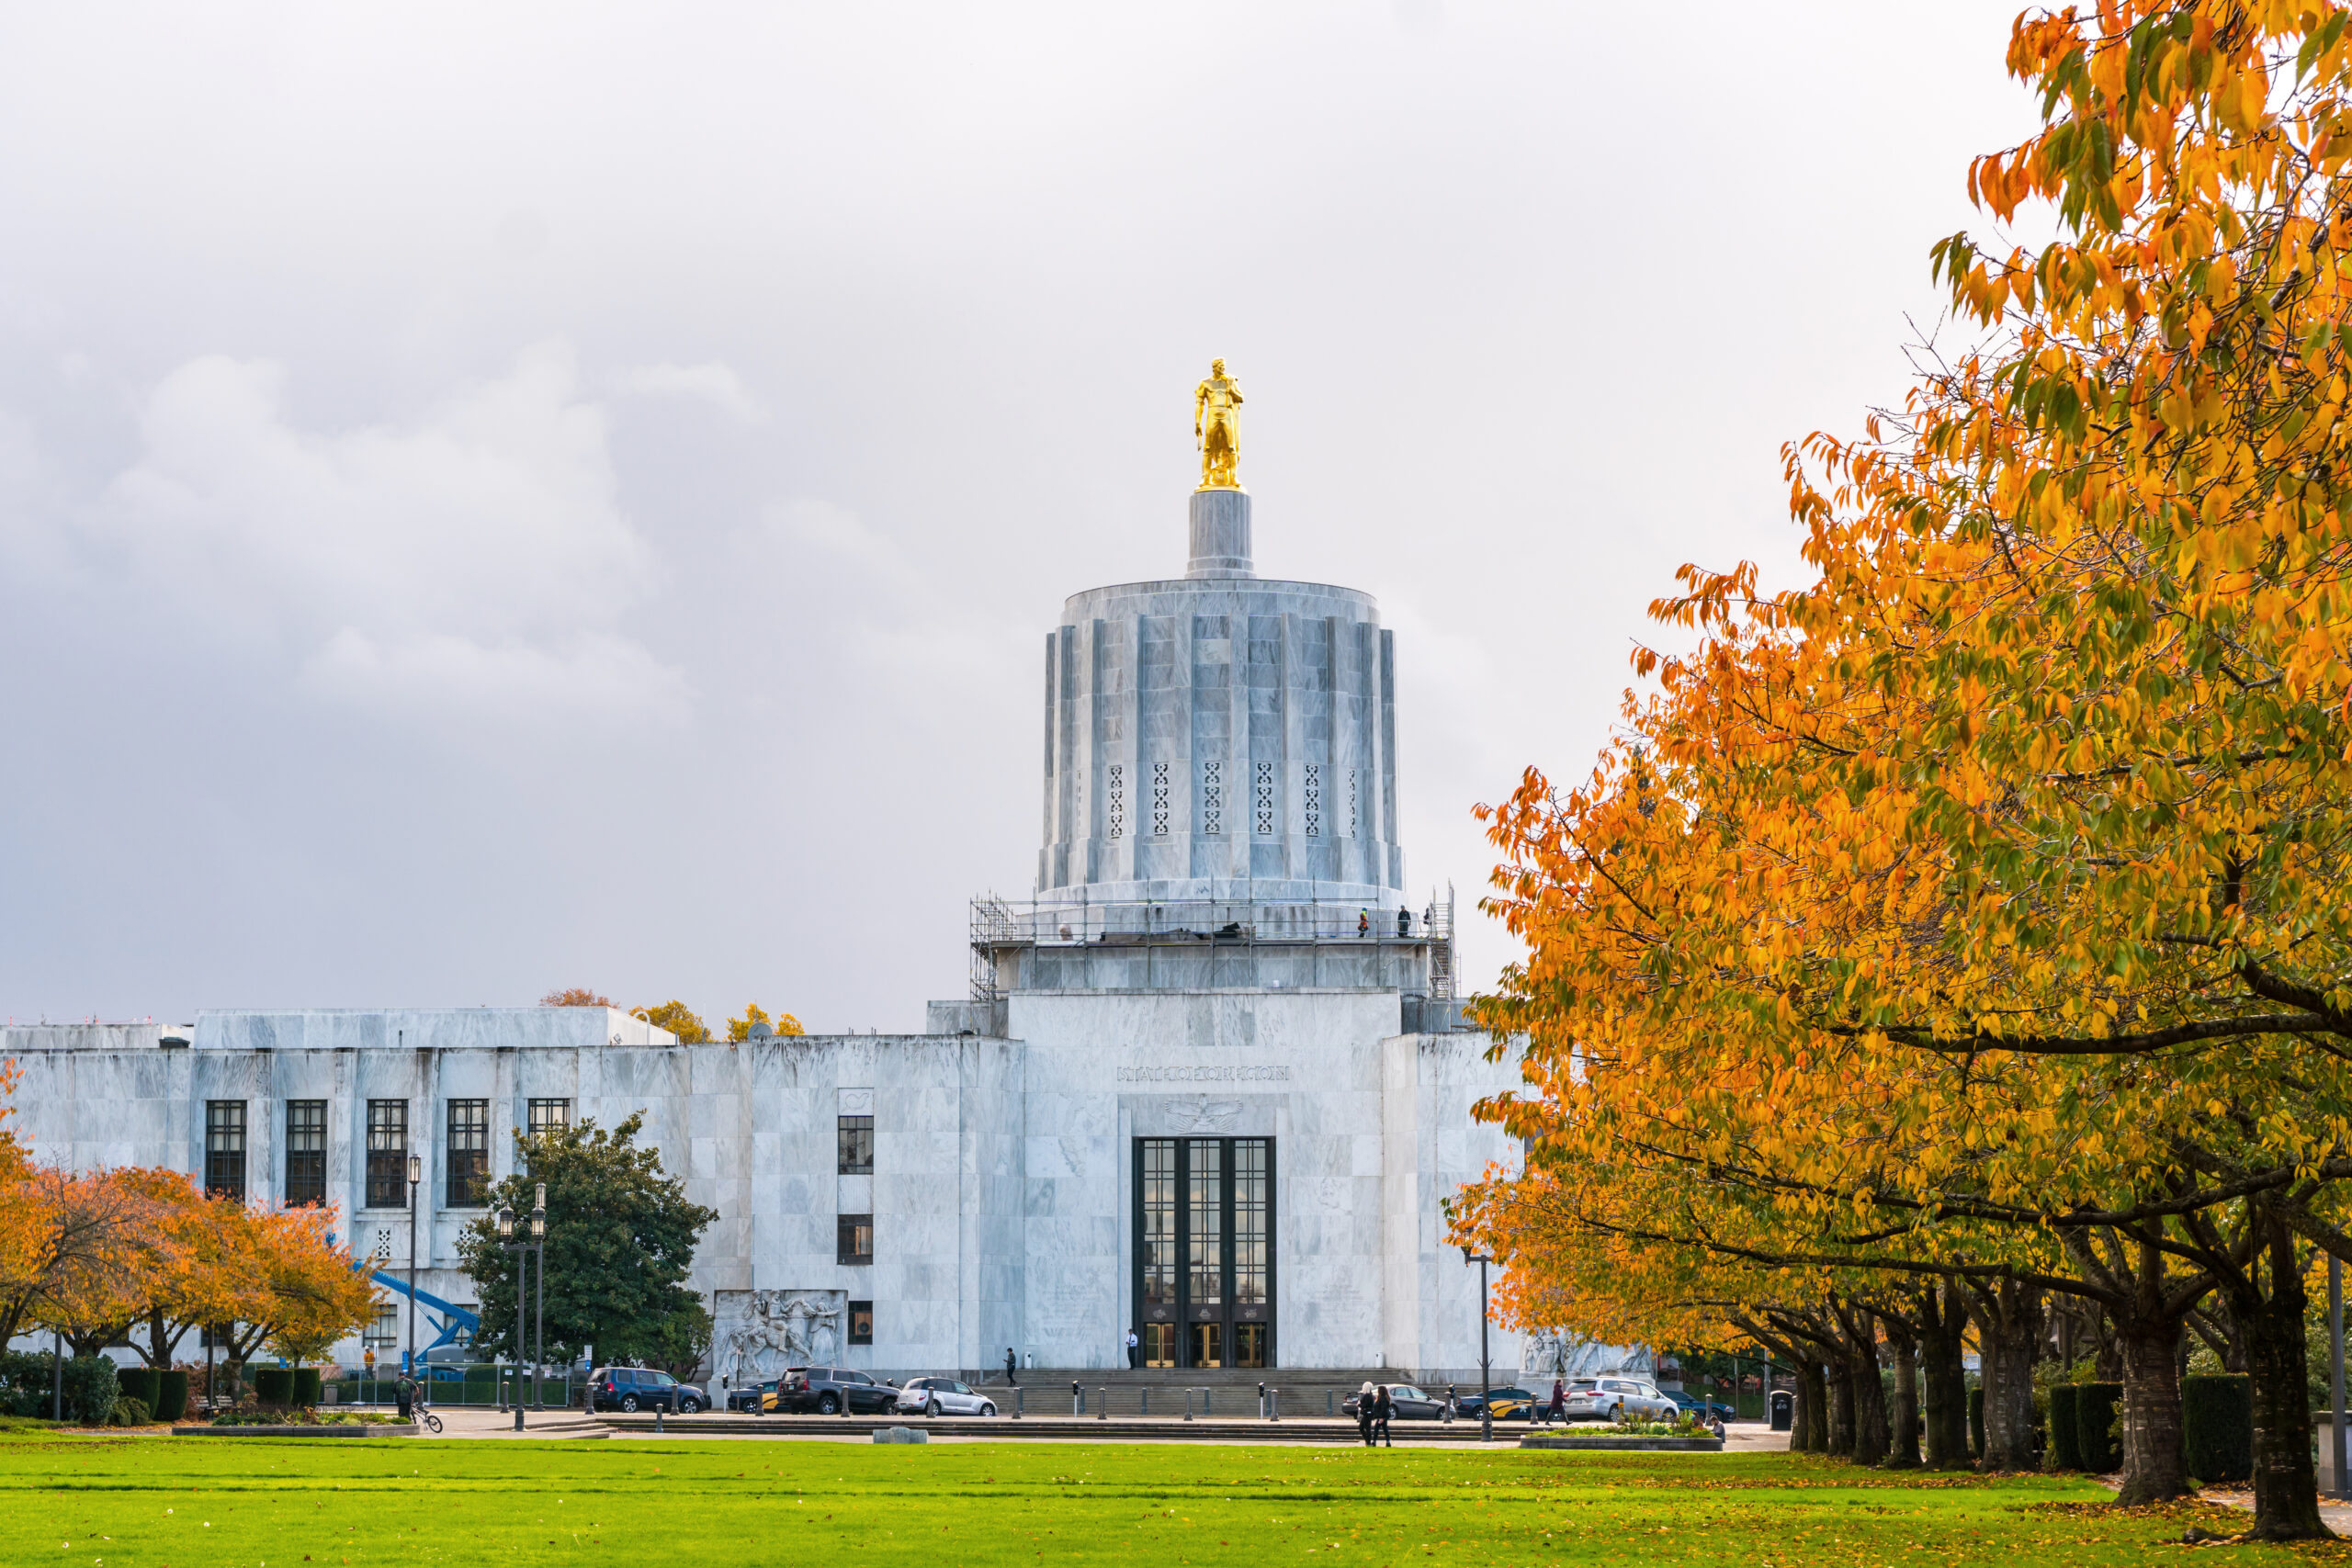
1210,1084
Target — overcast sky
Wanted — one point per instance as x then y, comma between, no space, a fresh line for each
498,497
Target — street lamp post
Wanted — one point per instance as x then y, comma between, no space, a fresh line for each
1485,1374
539,1304
522,1255
416,1174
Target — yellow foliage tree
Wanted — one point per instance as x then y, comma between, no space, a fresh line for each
677,1018
782,1023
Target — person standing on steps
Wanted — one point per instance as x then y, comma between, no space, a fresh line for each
1009,1365
1366,1401
1135,1350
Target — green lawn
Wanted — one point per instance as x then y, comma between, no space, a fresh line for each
213,1502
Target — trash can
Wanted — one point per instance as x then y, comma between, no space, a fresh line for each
1784,1410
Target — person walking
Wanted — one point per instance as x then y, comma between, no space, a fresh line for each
1009,1365
1135,1350
1558,1412
1385,1409
1367,1411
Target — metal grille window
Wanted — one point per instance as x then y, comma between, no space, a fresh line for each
383,1330
854,1239
547,1116
387,1154
1312,799
1266,799
1159,800
1118,790
1205,1221
224,1149
853,1145
306,1151
861,1322
1159,1221
1212,797
468,1153
1249,1215
1352,802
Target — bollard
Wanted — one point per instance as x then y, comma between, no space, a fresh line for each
1273,1405
1188,1404
1077,1399
1102,1405
1147,1399
1450,1400
1020,1400
1206,1394
1262,1402
1330,1407
657,1420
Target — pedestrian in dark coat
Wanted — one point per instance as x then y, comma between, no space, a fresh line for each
1008,1368
1386,1407
1559,1410
1367,1411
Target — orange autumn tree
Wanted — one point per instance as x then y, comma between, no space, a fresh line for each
2093,578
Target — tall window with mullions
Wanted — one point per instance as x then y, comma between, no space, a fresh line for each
306,1152
468,1154
224,1149
388,1154
1204,1251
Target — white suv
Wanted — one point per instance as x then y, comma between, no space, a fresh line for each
943,1396
1619,1399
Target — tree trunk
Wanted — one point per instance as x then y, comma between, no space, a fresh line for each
1870,1435
1839,1375
1943,1326
2286,1484
2009,1329
2154,1470
1902,1353
1815,1380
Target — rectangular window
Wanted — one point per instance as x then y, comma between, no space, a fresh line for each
1249,1222
1159,1221
1205,1221
388,1154
853,1239
384,1328
468,1153
306,1151
224,1149
854,1142
861,1322
547,1116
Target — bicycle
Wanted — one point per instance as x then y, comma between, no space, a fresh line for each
426,1417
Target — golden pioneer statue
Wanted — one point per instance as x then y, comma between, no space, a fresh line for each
1217,425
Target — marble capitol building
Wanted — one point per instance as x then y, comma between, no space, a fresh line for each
1210,1084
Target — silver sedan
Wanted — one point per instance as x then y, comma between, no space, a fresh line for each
1619,1399
943,1396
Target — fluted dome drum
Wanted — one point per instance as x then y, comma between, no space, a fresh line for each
1221,736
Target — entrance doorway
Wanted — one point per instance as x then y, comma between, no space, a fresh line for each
1203,1255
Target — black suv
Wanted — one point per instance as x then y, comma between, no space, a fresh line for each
830,1390
642,1388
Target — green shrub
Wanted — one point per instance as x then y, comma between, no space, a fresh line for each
2065,1449
130,1410
139,1383
1976,1418
306,1386
2097,1436
2217,1423
274,1385
171,1404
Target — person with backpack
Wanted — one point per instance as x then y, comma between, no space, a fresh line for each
405,1393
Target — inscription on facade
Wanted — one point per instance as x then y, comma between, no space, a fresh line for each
1273,1073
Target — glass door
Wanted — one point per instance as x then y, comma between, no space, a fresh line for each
1204,1251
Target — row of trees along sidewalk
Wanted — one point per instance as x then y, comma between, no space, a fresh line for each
1961,939
141,1255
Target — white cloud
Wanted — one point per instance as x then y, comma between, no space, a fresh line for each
476,557
715,384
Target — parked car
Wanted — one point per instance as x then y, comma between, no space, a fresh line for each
1619,1399
829,1391
1511,1403
1406,1404
642,1388
943,1396
752,1398
1699,1410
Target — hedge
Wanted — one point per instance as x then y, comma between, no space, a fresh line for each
306,1387
2217,1427
138,1383
2065,1447
274,1385
173,1386
26,1386
1976,1419
2101,1449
